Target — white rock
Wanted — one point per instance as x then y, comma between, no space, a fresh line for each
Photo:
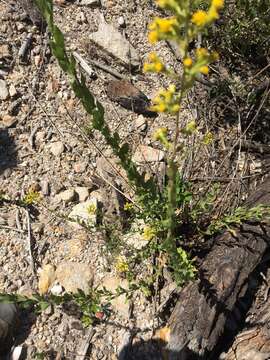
112,41
145,154
85,213
12,90
83,193
121,21
140,123
57,290
57,148
4,94
90,3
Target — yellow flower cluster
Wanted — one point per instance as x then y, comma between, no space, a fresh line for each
201,18
166,101
154,65
160,134
149,233
161,28
200,64
121,265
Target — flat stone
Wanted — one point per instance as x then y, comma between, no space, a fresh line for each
67,195
146,153
73,276
83,193
111,40
57,148
120,304
85,213
140,123
4,93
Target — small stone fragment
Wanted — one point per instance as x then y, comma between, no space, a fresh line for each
4,94
57,148
112,41
140,123
46,278
121,21
144,154
90,3
12,90
73,276
83,193
84,213
56,290
4,51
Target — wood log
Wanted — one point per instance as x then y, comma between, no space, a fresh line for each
253,343
198,319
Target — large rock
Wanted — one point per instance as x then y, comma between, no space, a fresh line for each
84,213
144,154
73,276
113,42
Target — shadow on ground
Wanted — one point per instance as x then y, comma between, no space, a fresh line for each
8,153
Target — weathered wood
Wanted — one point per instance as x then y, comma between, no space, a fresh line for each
253,343
198,319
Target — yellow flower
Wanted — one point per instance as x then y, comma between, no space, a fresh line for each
200,18
121,265
204,70
147,67
153,37
201,52
187,62
208,138
166,25
218,4
159,107
158,66
160,133
153,57
149,233
128,206
172,88
212,14
175,108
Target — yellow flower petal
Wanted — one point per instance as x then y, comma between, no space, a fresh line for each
200,18
187,62
204,70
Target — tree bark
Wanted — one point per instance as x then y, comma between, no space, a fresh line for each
198,319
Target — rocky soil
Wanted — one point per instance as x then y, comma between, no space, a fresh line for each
43,149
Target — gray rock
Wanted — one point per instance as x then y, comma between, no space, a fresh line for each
73,276
67,195
145,154
83,193
121,21
57,290
4,94
57,148
112,41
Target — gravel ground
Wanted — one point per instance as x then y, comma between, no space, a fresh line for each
42,149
